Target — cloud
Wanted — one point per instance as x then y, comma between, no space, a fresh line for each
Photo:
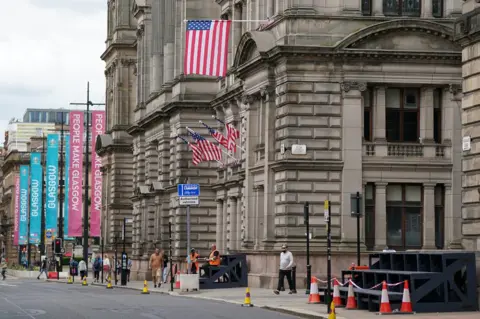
49,50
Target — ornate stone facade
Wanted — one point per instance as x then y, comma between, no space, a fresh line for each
115,146
467,33
369,95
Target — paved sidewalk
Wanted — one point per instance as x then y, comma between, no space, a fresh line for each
264,298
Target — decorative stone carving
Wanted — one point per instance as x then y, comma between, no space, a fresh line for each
454,89
140,30
247,99
127,62
266,93
353,85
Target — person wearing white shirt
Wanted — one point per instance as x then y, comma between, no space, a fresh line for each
286,264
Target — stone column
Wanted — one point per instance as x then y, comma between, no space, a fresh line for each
377,10
379,114
232,207
158,14
427,8
239,225
426,121
224,226
169,37
219,223
380,216
428,216
352,152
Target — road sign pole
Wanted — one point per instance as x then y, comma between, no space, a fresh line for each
188,240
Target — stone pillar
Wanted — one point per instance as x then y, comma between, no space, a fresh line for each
428,216
377,10
158,13
452,220
427,8
379,117
380,216
232,207
224,226
352,152
169,37
470,126
218,237
426,121
239,225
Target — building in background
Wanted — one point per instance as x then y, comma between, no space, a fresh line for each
371,88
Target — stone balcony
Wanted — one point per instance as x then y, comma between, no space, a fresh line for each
408,151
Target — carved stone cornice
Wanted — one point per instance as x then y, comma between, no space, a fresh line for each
248,99
353,85
128,62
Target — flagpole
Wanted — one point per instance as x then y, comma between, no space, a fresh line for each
214,117
233,33
192,131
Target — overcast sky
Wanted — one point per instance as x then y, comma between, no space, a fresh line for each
49,49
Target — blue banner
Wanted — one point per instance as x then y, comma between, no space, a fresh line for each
36,207
52,185
65,190
23,226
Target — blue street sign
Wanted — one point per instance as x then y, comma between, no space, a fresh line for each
188,189
48,234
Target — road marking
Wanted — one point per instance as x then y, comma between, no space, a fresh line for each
17,306
8,285
149,315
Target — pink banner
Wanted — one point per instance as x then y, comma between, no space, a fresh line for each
16,210
75,174
98,128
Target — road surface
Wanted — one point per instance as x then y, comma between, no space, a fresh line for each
32,299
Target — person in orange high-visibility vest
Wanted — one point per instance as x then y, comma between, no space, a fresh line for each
214,259
194,261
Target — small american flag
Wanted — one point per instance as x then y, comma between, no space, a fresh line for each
206,47
210,151
222,140
232,135
197,156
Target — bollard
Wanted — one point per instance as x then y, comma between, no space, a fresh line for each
294,277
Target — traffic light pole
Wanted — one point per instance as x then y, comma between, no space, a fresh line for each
86,201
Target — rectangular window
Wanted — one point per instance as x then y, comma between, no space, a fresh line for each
59,118
367,7
409,8
439,216
35,117
370,216
437,8
437,116
402,115
404,216
368,115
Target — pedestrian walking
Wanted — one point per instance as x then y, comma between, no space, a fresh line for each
43,268
97,267
156,263
3,267
129,268
166,269
286,264
106,267
82,268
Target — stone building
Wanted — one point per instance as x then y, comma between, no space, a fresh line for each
467,34
370,87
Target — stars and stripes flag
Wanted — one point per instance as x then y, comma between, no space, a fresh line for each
197,155
206,47
210,151
232,135
222,140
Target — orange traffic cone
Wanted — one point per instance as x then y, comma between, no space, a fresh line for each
336,294
351,301
406,303
385,302
314,296
177,280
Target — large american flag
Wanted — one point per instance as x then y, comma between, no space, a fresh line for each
206,47
210,151
232,135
